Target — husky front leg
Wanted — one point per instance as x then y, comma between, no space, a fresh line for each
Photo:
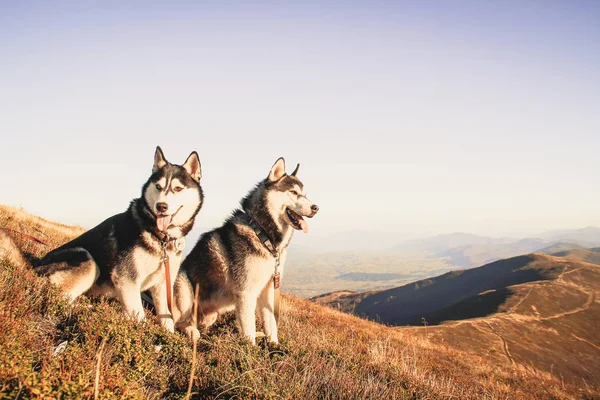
183,299
245,309
160,294
130,296
159,297
266,307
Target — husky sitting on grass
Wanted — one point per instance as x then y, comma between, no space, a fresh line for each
234,266
130,252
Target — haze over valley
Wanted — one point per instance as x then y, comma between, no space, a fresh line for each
362,261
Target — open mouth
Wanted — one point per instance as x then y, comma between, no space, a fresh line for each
297,221
163,220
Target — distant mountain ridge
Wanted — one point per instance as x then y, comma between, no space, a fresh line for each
469,250
588,236
435,244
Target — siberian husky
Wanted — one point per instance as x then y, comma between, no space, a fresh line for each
126,254
234,265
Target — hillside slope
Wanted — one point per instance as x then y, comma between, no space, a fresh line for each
52,349
545,310
552,325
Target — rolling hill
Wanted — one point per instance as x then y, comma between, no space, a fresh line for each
52,349
559,247
588,255
535,309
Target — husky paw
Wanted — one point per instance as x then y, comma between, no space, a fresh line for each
168,324
193,334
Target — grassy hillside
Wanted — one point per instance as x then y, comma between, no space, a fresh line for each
52,350
536,310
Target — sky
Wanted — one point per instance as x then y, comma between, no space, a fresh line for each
406,116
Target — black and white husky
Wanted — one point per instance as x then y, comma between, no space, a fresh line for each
234,265
124,255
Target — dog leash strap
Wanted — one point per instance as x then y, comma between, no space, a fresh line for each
276,285
168,278
276,305
169,294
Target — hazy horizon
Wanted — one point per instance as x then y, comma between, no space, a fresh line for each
410,118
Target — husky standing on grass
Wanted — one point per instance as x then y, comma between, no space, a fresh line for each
235,265
129,252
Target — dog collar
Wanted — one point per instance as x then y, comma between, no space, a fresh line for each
164,238
260,232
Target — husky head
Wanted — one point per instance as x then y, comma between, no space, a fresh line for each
173,194
284,198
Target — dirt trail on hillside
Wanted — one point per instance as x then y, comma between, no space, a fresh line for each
504,343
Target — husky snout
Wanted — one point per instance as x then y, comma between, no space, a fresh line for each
162,207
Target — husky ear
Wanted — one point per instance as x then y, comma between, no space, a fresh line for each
192,166
296,170
159,160
277,170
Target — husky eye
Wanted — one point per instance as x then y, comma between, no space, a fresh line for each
295,192
158,187
178,189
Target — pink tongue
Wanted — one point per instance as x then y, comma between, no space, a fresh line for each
304,225
162,222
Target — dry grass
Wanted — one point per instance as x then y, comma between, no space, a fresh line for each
323,353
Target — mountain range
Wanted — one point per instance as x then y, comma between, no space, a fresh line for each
468,250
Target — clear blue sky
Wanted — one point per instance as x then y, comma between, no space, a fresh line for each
420,117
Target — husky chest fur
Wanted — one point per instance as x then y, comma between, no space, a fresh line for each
233,265
124,254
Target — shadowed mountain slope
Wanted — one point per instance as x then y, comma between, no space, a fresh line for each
407,304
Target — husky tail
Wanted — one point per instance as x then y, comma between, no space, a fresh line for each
10,252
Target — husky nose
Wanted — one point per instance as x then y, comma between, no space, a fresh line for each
314,208
162,207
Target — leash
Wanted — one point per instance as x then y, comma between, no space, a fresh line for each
164,257
276,284
165,260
